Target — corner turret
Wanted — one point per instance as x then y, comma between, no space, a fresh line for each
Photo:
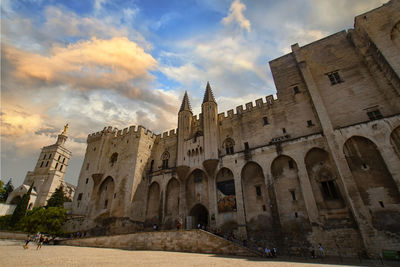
184,127
210,124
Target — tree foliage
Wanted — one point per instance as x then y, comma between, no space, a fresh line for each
5,190
20,210
45,220
57,199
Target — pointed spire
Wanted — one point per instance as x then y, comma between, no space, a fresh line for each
208,95
185,103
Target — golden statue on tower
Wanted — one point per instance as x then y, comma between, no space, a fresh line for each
65,129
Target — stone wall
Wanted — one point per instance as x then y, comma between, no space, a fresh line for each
183,240
13,235
6,209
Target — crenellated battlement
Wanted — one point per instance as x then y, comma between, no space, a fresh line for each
248,107
115,133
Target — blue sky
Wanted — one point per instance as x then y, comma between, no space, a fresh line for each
121,63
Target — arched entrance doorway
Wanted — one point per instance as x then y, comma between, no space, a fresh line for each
199,215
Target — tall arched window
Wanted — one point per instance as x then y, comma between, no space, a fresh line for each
229,146
165,158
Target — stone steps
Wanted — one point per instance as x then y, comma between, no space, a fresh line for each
197,241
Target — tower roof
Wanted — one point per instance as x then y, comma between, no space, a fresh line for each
208,95
185,103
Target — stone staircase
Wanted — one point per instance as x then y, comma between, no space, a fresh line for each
196,241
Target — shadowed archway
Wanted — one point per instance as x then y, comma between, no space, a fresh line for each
199,213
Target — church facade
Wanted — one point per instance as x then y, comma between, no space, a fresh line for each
47,176
318,164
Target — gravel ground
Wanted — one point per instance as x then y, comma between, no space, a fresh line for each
12,254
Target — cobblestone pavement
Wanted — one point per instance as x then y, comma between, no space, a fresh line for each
12,254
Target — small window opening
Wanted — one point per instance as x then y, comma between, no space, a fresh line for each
264,208
165,164
258,190
49,156
291,164
265,120
61,167
44,157
56,166
59,157
374,115
381,203
284,130
113,159
94,149
47,164
115,195
63,160
235,161
296,90
106,203
296,215
80,197
309,123
334,77
151,165
87,166
41,165
198,177
293,193
87,180
246,146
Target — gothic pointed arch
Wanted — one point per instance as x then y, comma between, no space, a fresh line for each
105,195
323,179
172,201
395,140
226,193
153,204
370,172
165,158
289,196
229,145
254,195
375,184
196,188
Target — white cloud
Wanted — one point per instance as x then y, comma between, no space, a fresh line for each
236,16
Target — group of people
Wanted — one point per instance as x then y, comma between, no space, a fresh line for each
39,239
321,252
270,253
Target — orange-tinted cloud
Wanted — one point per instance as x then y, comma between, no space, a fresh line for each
86,64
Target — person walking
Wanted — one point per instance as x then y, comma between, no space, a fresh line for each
27,240
321,250
40,242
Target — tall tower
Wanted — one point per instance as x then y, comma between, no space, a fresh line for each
48,173
184,128
210,124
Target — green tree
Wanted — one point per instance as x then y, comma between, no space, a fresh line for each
45,220
57,199
5,190
2,190
20,210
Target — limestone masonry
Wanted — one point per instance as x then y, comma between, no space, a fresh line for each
319,164
47,176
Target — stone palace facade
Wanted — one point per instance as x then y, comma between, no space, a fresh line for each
318,164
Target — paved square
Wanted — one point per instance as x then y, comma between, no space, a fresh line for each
12,254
